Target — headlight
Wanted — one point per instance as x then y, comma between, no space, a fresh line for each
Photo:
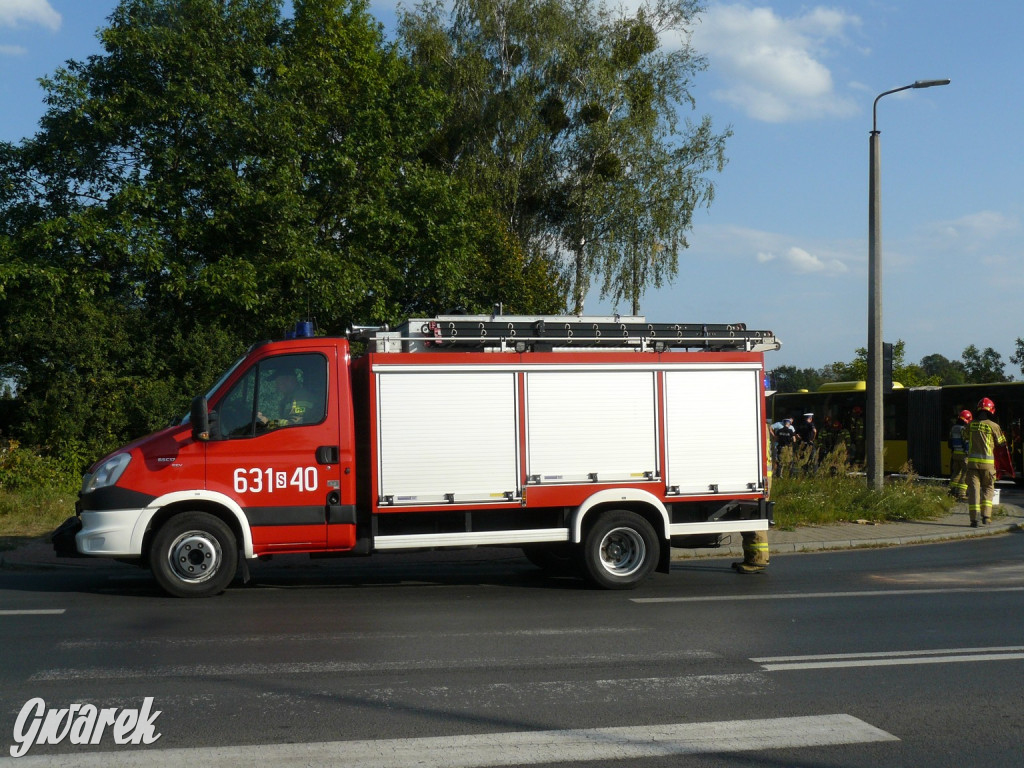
109,472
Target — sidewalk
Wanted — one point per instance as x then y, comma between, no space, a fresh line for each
813,538
38,553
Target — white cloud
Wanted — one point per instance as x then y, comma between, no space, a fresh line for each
973,234
773,66
12,50
984,224
775,249
14,13
801,262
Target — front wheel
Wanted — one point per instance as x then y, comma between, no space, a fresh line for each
194,555
620,551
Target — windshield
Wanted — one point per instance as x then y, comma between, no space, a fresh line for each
209,393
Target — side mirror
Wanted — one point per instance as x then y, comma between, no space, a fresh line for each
200,419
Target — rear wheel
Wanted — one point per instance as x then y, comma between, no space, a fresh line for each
620,550
194,555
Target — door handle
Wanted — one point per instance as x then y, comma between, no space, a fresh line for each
327,454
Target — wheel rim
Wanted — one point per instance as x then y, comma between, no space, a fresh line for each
623,551
194,556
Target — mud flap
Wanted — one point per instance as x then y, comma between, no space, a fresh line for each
243,568
665,557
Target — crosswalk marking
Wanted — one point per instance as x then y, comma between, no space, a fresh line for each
329,667
347,637
487,750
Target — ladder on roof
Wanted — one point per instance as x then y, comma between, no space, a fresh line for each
521,333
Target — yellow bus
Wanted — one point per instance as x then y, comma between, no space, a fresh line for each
917,420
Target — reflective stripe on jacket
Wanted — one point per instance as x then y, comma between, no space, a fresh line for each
984,436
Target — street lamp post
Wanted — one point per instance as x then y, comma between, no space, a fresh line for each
875,412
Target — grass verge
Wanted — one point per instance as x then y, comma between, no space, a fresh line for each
808,492
37,493
28,514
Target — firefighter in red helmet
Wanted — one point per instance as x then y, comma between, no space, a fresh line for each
983,437
958,436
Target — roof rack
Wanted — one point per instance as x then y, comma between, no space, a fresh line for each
523,333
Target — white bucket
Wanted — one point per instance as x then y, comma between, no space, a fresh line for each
995,496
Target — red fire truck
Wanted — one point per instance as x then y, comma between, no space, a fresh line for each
593,443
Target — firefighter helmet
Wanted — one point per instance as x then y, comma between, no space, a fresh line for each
987,405
967,416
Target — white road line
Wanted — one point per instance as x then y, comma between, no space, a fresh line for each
889,659
501,749
339,667
819,595
890,654
335,637
34,612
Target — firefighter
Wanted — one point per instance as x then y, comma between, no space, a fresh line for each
755,553
295,403
958,437
755,543
983,437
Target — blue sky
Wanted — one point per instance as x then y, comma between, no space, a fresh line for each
784,245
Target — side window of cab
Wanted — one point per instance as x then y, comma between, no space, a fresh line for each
235,410
277,393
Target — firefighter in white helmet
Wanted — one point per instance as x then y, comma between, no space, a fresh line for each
983,438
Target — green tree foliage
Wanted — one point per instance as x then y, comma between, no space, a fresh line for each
1017,358
907,374
219,170
567,111
947,371
983,367
977,367
789,378
855,370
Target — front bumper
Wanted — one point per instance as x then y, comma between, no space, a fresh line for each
111,532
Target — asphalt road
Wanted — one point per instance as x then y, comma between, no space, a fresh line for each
904,656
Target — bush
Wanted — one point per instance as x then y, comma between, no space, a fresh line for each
22,469
809,492
37,493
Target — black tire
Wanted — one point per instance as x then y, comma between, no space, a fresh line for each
194,554
554,559
620,550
